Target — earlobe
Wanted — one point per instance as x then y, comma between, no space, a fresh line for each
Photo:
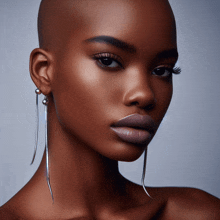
41,70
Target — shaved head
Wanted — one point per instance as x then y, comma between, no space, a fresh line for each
52,15
58,19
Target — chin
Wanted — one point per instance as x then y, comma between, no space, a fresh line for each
126,153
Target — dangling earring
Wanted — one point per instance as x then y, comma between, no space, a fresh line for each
45,102
144,172
38,92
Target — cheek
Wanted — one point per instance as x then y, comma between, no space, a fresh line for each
163,91
83,94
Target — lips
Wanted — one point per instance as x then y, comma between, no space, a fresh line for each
135,128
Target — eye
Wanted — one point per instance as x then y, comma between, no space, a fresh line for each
108,60
166,71
162,71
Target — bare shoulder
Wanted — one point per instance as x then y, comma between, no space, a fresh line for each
10,210
188,203
6,214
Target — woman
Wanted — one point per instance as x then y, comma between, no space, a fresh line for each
105,69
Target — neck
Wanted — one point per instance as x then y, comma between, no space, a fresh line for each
78,175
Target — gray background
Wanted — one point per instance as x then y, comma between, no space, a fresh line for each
186,150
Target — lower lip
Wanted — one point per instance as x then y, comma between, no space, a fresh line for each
132,135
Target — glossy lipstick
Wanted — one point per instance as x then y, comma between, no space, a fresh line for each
135,128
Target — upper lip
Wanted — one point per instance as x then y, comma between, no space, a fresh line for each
144,122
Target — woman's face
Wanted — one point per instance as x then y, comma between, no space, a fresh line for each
117,62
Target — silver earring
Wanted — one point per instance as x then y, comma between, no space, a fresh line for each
144,172
45,102
38,92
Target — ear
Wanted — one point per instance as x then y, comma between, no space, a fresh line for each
41,69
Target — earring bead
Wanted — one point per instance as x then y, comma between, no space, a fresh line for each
37,91
45,101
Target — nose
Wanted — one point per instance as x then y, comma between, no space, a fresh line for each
139,91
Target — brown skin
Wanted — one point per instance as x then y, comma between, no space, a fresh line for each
86,98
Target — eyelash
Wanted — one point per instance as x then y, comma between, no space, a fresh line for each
112,57
171,70
176,70
115,58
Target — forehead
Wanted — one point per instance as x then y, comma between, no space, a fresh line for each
133,21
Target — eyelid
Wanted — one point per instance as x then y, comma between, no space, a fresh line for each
173,68
115,57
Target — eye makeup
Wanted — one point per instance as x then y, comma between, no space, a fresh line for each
164,71
108,60
114,62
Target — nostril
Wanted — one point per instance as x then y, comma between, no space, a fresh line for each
147,106
134,103
151,106
141,97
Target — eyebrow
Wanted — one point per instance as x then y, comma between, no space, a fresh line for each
113,41
167,54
